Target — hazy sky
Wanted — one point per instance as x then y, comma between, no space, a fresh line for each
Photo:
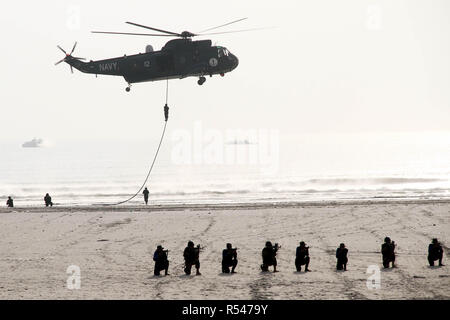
329,65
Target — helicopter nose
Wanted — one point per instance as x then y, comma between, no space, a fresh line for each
235,61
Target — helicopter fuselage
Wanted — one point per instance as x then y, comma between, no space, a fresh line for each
179,58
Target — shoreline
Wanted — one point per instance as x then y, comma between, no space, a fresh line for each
223,206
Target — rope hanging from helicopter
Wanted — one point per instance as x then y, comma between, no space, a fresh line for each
166,116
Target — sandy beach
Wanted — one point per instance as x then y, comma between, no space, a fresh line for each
113,248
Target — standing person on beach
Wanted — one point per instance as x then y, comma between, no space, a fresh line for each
161,261
146,192
10,202
388,252
229,259
48,200
302,257
269,254
341,255
191,258
435,252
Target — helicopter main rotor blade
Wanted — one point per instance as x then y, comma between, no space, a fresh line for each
154,29
134,34
61,49
223,25
233,31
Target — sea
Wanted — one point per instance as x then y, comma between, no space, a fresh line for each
254,166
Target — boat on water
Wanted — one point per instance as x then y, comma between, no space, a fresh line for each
35,143
236,141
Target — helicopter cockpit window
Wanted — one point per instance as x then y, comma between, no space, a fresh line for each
222,52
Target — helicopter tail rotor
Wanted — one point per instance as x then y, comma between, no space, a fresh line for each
68,56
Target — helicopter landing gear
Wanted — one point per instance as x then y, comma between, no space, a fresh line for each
201,81
127,89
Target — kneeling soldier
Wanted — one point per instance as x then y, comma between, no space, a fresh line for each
229,259
435,252
191,258
269,254
341,255
161,262
388,252
302,257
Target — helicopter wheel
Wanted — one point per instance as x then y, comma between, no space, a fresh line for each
127,89
201,81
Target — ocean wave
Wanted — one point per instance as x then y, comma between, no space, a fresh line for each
368,181
234,192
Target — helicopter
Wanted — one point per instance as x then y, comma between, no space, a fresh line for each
178,59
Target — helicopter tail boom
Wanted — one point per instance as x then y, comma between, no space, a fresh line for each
107,67
75,63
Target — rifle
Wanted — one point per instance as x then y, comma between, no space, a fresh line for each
233,252
199,248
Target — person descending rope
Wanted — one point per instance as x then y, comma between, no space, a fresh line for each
166,107
166,112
